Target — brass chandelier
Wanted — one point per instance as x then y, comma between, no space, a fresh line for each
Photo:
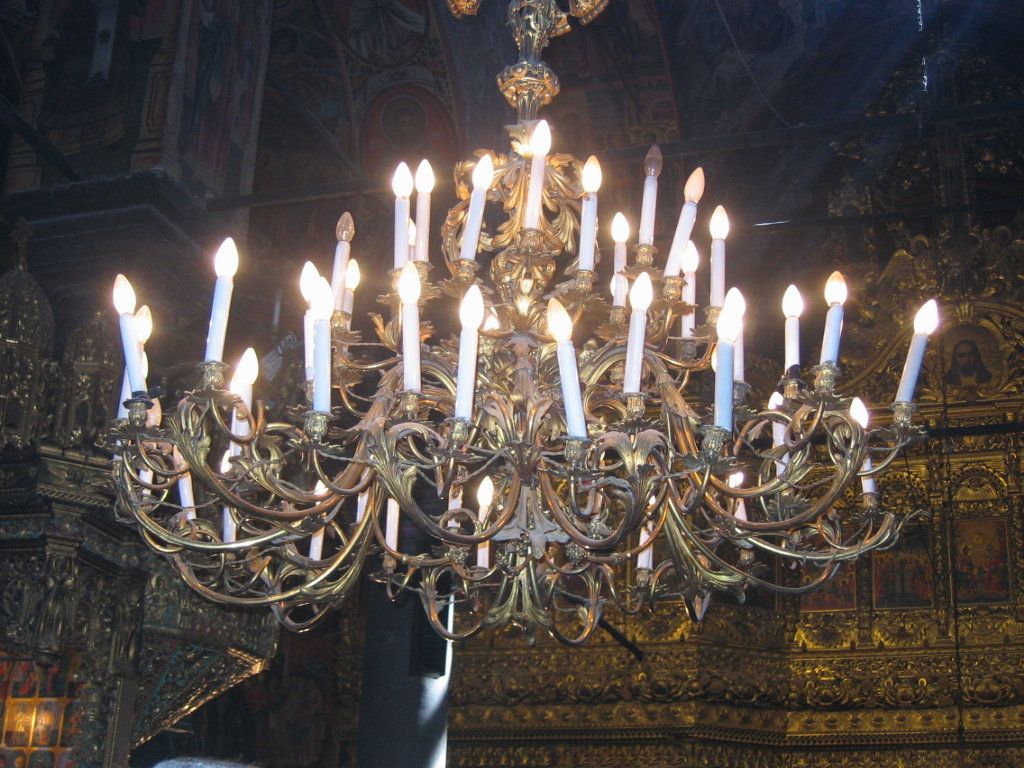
551,483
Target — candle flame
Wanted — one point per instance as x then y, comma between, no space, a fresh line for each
835,289
559,322
719,224
653,162
591,175
352,275
540,139
471,312
620,228
248,368
775,401
346,228
859,413
483,174
642,293
492,323
693,190
735,480
425,177
401,183
412,233
927,319
691,259
792,302
485,492
143,324
124,296
225,263
308,279
730,320
409,284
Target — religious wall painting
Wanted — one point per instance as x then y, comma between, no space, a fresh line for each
42,758
13,758
413,125
47,724
904,576
24,680
838,594
381,33
968,359
18,726
981,571
33,710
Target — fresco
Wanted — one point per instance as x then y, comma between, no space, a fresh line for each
903,577
981,572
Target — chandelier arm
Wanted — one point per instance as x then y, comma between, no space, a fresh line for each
364,476
839,554
593,606
157,470
429,596
342,354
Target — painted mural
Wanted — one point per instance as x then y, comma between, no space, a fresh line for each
903,577
39,717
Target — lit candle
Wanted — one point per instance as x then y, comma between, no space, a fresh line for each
409,293
690,262
652,169
246,373
484,498
835,296
926,321
775,403
588,216
229,528
730,323
345,231
143,328
277,308
792,308
859,413
316,540
412,240
693,190
391,525
735,480
471,313
225,264
540,143
640,297
620,234
308,280
186,496
620,287
124,303
322,306
424,186
738,369
483,174
361,502
645,559
719,231
401,184
352,278
560,326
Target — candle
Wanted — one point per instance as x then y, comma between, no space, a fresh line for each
735,480
540,143
277,308
471,313
484,497
225,264
412,240
321,307
352,278
835,295
345,231
409,293
730,323
619,287
926,321
859,413
401,184
738,370
560,326
391,525
307,286
693,190
186,496
588,216
652,169
640,297
126,393
424,186
620,234
719,231
143,328
483,174
792,308
229,528
690,262
645,559
316,540
124,303
246,373
775,403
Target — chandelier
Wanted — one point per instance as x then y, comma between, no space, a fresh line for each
552,480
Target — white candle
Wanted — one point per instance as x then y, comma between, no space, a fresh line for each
391,525
307,285
124,303
588,216
560,326
316,540
730,323
352,278
619,287
926,321
792,308
471,313
652,169
540,143
719,231
484,498
690,262
645,559
225,265
775,403
483,174
835,295
126,393
640,297
401,184
693,190
424,186
361,502
345,231
409,293
277,308
620,234
186,496
412,240
246,373
229,528
859,413
322,306
738,367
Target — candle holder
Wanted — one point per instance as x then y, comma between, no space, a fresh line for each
903,414
636,405
213,374
307,386
531,242
870,502
316,425
688,349
138,410
740,390
711,315
407,404
459,432
713,440
790,388
465,271
341,321
672,288
576,453
645,254
825,376
584,281
617,316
